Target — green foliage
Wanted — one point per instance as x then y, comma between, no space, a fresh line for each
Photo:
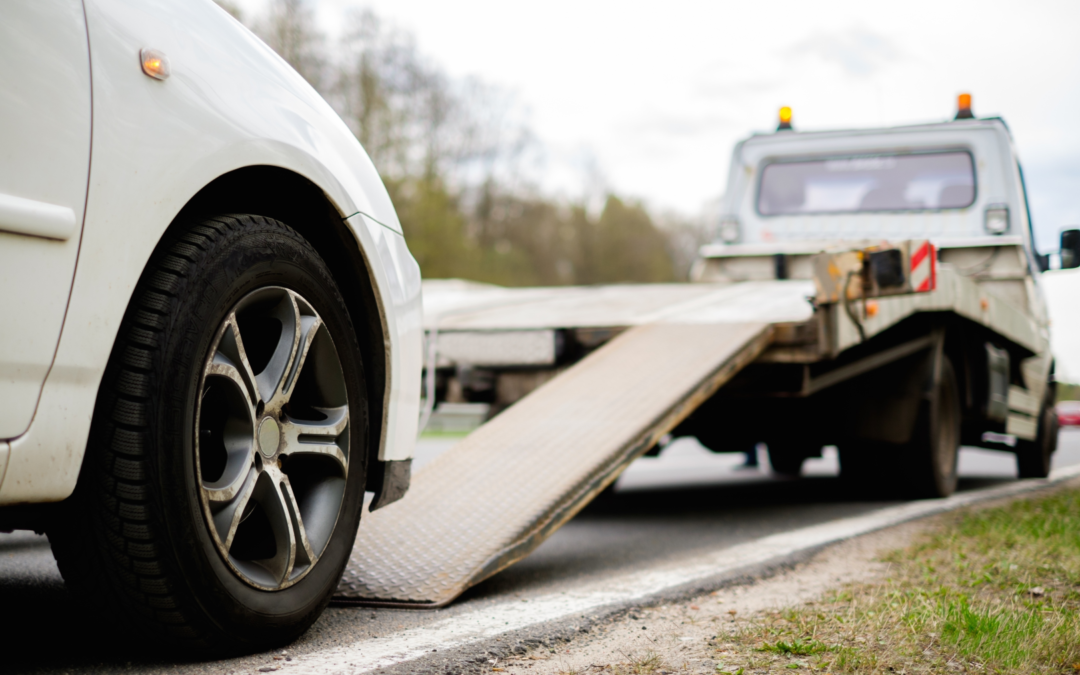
796,647
518,241
1068,392
992,634
991,590
434,227
627,246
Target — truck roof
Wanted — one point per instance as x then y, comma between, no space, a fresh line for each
951,125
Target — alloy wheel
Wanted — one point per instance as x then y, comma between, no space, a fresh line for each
272,441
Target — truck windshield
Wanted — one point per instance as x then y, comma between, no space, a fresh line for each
899,182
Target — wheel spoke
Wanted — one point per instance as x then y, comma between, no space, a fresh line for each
229,368
231,361
229,517
277,509
307,329
272,378
303,555
318,438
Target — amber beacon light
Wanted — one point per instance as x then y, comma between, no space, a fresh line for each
785,119
154,63
963,107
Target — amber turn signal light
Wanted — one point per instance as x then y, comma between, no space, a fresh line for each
154,63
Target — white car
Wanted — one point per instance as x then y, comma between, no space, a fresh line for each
210,324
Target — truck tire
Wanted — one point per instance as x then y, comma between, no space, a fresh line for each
930,458
1033,458
223,480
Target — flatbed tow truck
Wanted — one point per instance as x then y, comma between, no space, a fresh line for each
876,290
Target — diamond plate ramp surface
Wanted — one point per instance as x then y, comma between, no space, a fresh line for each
496,495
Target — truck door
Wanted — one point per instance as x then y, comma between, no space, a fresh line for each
44,166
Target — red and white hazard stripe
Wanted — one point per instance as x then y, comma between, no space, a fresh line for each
923,266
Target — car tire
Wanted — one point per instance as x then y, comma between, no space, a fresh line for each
1033,458
176,432
930,458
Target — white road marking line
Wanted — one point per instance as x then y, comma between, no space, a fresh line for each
512,615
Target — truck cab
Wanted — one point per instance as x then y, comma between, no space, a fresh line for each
959,184
795,201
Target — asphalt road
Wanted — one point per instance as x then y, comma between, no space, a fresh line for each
679,504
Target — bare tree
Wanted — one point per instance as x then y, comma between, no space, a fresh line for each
289,28
231,8
451,153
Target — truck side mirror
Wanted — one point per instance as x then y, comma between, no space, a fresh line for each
1070,249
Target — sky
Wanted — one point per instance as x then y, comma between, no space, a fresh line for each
648,98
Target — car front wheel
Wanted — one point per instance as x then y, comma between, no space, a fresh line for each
224,476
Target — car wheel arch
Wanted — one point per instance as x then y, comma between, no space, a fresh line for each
287,196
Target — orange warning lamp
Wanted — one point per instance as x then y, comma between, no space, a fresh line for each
963,107
785,119
154,64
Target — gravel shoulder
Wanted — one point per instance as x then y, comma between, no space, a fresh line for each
721,632
674,637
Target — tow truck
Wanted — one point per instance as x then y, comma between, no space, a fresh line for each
873,289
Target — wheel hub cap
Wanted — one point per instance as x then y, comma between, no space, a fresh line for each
269,437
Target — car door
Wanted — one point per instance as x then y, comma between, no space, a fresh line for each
44,164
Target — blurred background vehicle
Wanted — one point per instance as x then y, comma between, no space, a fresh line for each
1068,413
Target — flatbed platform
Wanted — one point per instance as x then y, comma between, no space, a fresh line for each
496,495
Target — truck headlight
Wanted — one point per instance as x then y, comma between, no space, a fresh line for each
997,219
729,230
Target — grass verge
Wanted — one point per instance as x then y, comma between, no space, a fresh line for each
994,590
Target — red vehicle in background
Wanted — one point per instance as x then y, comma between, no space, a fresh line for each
1068,413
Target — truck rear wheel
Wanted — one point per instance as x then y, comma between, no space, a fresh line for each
930,457
1033,457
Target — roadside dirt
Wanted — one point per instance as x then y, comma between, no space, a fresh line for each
674,638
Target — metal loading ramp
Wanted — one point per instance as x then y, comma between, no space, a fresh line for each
495,496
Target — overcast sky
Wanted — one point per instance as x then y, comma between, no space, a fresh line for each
652,96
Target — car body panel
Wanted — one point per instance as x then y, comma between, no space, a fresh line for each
44,162
230,102
403,284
